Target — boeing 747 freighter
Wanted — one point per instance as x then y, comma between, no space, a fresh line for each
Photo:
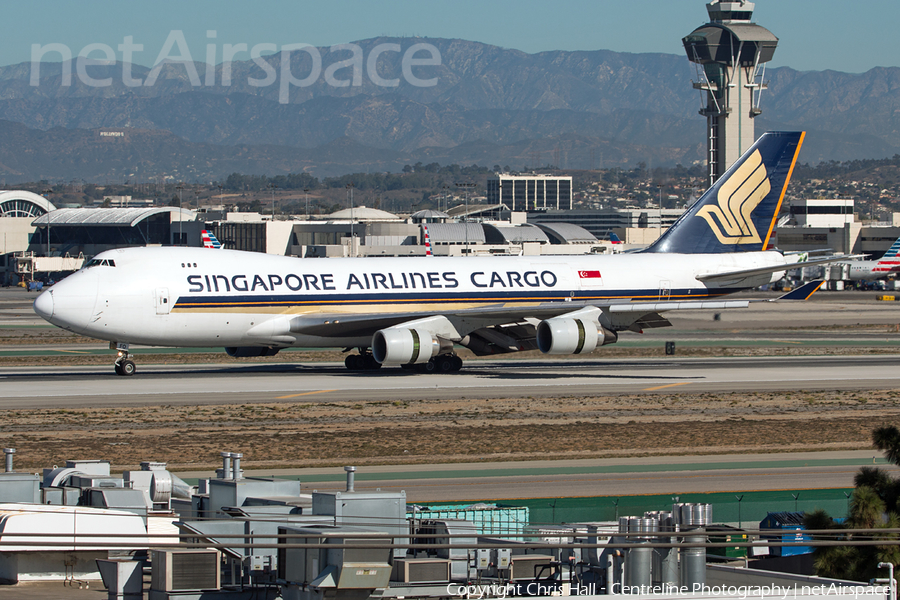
413,311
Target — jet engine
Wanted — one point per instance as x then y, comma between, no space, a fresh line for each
568,335
402,346
250,351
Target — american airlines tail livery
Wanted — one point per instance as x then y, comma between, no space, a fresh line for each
889,264
209,240
412,311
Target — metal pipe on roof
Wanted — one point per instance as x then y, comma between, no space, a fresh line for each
9,459
350,476
236,464
226,464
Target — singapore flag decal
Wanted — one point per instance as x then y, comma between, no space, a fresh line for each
589,274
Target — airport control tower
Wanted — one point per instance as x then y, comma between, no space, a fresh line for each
730,53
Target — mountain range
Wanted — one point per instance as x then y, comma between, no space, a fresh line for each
488,105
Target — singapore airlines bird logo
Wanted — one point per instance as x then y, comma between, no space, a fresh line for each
729,219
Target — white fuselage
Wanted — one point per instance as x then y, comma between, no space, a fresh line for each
195,297
864,270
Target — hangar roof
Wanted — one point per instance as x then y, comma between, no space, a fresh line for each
567,233
455,233
107,217
363,213
501,234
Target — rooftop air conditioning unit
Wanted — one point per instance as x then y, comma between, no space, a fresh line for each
185,570
532,566
421,570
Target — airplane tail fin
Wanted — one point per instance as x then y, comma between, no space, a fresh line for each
738,213
427,240
209,239
893,251
613,238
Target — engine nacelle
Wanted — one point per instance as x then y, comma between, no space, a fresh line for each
250,351
564,335
402,346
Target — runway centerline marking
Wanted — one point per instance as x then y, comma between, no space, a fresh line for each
304,394
668,385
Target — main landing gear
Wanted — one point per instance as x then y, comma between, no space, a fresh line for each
364,361
445,363
124,365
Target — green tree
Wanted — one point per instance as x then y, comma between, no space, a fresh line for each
873,506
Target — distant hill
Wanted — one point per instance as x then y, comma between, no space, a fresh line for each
489,106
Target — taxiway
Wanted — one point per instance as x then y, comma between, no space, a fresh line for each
74,387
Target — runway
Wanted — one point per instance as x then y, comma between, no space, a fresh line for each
73,386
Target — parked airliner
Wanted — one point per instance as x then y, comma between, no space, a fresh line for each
412,311
889,264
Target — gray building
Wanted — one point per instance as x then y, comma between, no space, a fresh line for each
601,222
530,192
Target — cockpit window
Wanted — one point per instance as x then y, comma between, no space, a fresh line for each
98,262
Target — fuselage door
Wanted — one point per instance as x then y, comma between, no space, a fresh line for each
665,289
163,302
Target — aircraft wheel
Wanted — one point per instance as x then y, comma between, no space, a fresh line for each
445,364
457,364
119,369
429,367
353,362
370,363
127,368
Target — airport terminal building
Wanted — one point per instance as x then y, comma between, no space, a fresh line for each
42,242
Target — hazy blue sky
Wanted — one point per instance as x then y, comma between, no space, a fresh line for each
814,34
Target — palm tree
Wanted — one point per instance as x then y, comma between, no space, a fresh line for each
873,506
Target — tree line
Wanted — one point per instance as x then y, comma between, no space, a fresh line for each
413,177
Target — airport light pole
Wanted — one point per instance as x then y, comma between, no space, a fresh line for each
740,522
47,194
467,186
445,197
306,197
350,187
273,187
180,188
659,187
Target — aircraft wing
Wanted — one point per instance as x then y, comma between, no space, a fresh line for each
623,314
774,269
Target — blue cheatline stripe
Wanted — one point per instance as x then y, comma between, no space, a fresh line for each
264,300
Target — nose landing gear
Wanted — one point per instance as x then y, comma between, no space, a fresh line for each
124,365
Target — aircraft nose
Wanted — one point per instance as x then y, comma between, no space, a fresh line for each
70,303
43,305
